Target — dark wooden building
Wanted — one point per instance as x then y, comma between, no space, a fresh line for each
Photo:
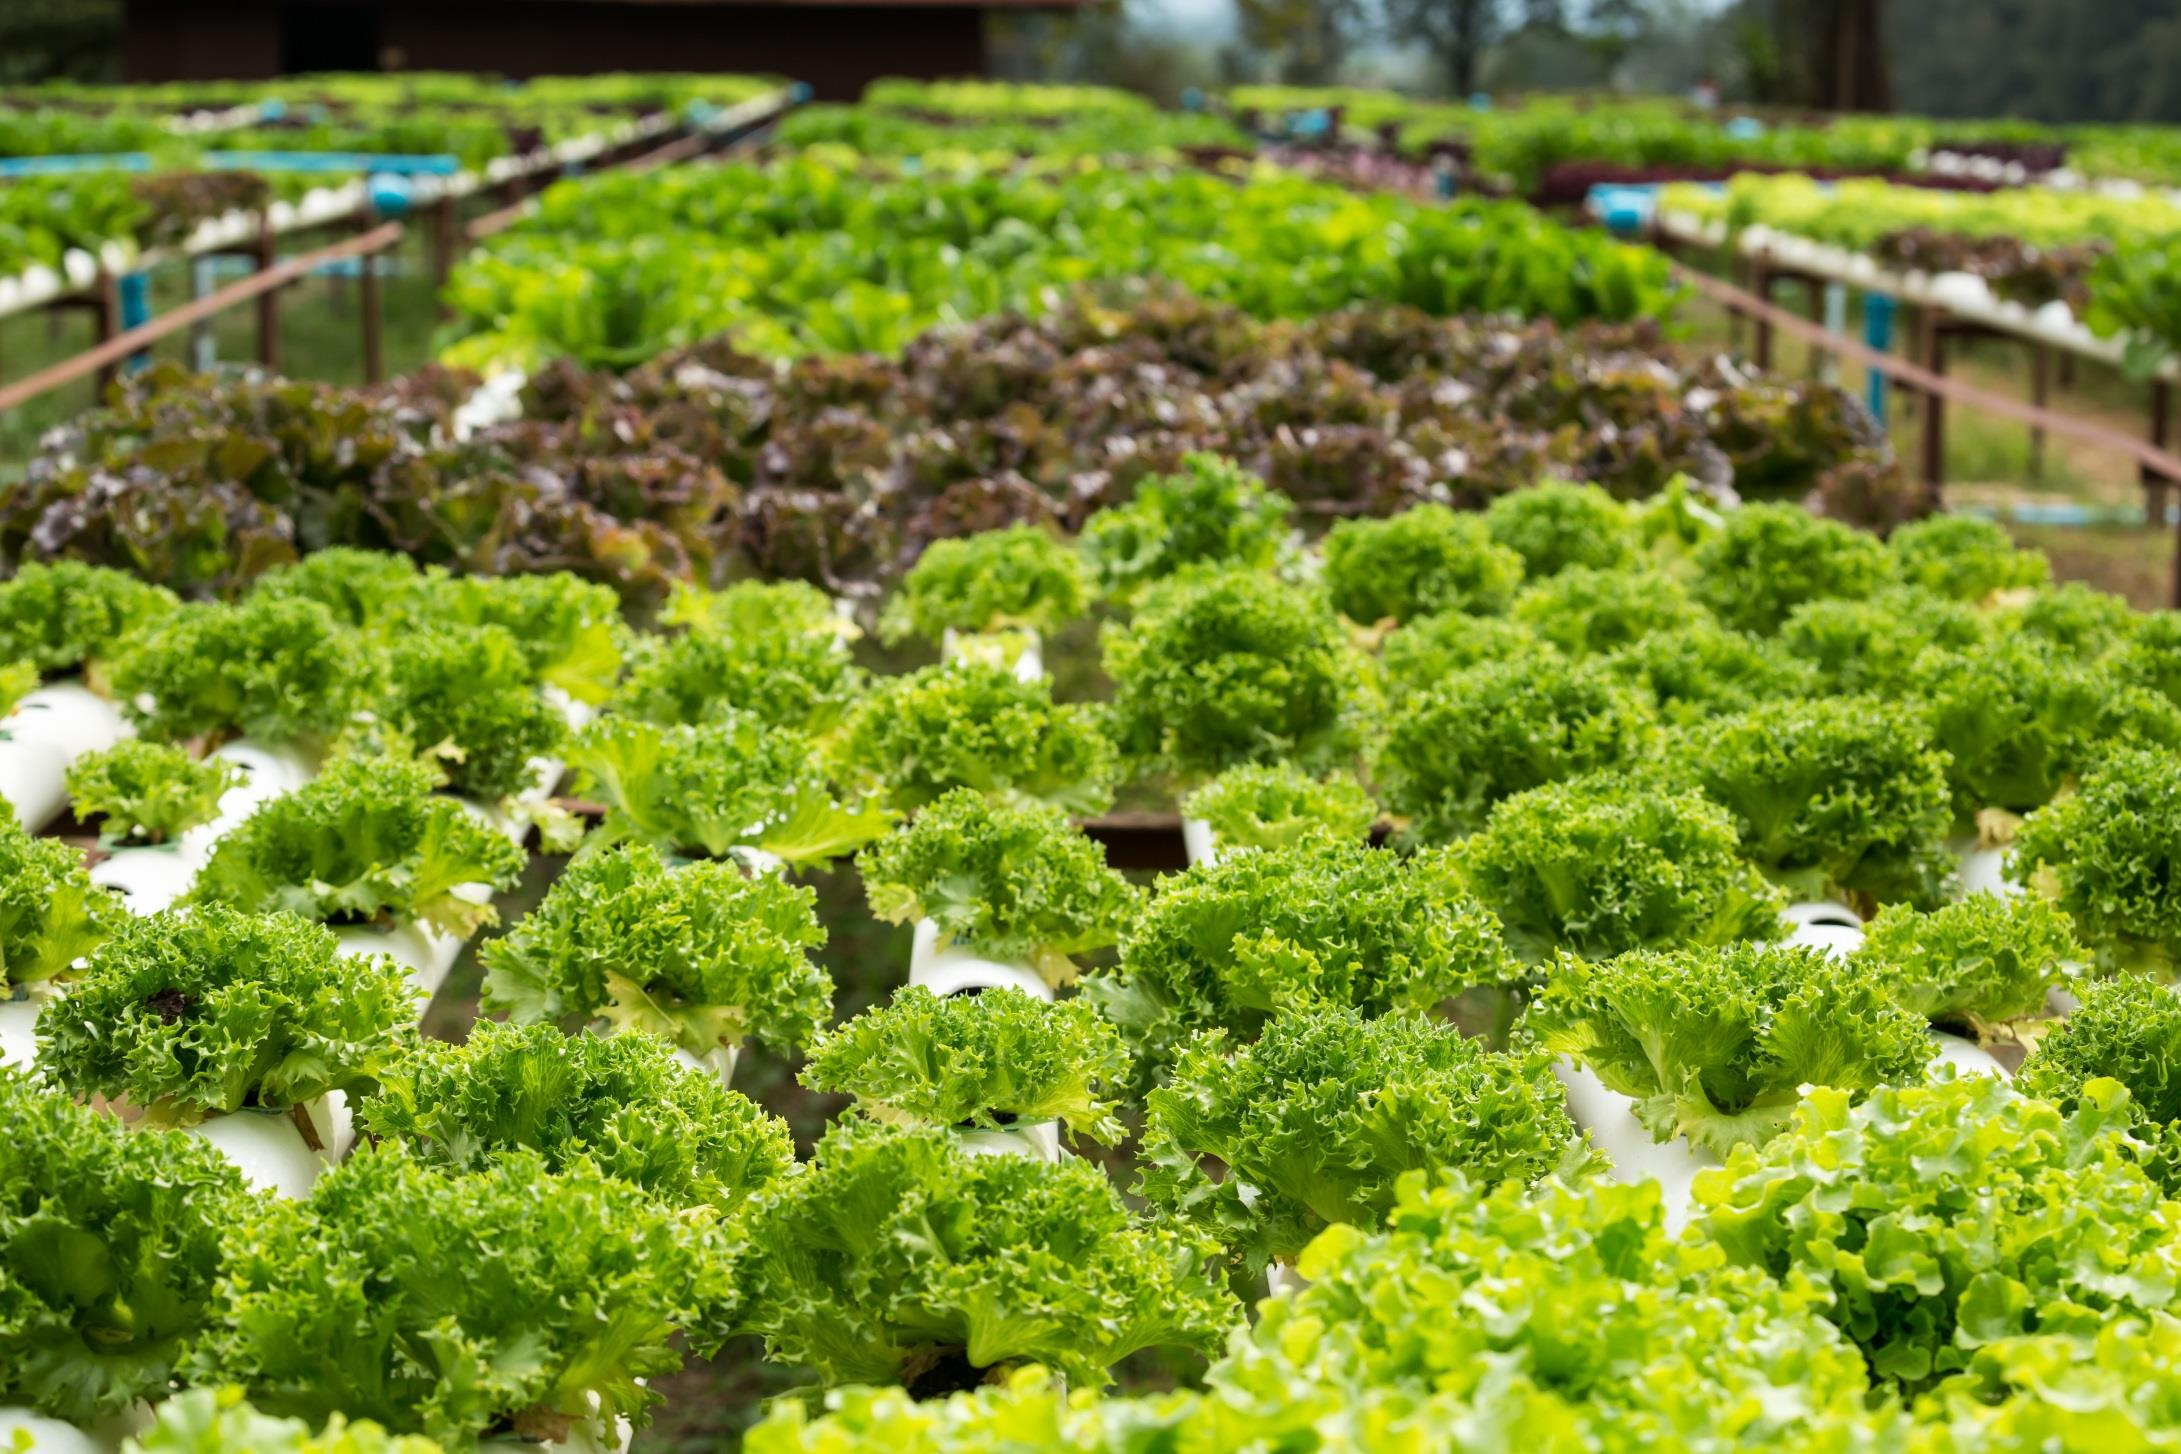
834,45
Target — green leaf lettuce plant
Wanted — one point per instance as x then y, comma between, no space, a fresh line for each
109,1250
1425,560
366,842
728,787
1605,864
1933,1222
1230,670
1276,805
206,1012
1984,965
1316,1121
700,955
986,1061
148,792
1019,884
621,1105
1717,1044
546,1299
977,725
899,1257
2106,854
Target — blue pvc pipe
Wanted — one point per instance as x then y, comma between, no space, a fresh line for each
1878,335
62,166
427,164
134,292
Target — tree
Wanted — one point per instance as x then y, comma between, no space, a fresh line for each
1456,33
1311,37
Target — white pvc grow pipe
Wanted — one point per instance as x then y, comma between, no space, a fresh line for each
1983,871
49,729
720,1060
1610,1120
19,1026
424,953
1197,841
946,969
57,1436
269,1149
1823,924
1966,1056
1282,1280
1033,1141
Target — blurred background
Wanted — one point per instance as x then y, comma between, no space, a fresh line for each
2051,60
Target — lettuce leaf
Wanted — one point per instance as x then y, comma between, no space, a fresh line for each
1603,865
1934,1221
1230,670
723,785
278,670
1276,805
1983,964
148,791
51,914
1019,577
508,1300
2107,855
1450,754
1012,883
975,725
1423,561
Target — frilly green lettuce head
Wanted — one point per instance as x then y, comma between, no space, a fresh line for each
984,1060
1937,1220
548,1299
621,1104
1606,864
701,955
193,1013
109,1249
1021,577
1317,1120
1230,670
1425,560
367,841
899,1257
2106,854
977,725
1717,1044
1014,883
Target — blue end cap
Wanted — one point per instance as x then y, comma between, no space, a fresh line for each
390,194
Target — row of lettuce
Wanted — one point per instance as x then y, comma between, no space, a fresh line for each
837,469
2114,263
1612,741
1547,147
842,253
162,178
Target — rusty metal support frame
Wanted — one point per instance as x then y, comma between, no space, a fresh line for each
268,280
2158,468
